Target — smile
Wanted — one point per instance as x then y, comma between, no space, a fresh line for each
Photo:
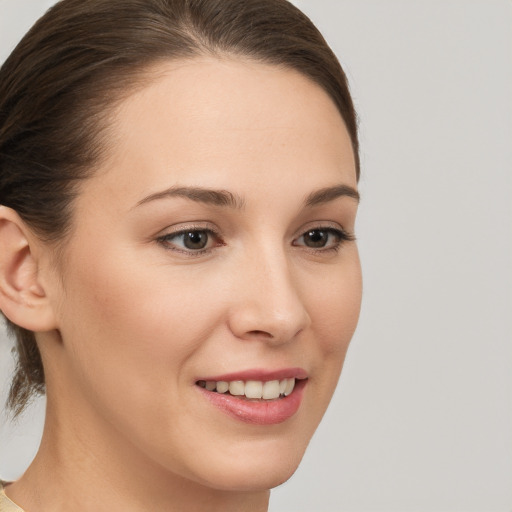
251,389
256,396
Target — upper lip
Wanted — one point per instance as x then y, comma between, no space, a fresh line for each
260,375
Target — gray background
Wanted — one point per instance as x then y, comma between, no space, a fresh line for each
422,418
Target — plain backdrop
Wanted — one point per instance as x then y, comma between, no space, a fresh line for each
422,418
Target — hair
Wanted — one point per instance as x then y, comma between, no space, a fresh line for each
62,83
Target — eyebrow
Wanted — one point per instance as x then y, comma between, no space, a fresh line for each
225,198
222,198
327,194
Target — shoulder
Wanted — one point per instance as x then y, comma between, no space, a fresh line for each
6,505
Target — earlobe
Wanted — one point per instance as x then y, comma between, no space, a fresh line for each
23,299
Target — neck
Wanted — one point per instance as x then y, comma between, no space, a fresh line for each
106,473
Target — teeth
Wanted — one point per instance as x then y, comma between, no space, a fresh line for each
222,386
289,387
253,389
271,389
210,385
237,387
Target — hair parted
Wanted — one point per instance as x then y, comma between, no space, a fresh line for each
61,84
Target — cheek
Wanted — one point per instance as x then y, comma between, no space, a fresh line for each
127,325
144,314
335,309
130,333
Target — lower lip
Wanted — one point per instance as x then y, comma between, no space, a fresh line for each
269,412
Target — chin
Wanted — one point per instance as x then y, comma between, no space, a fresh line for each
256,466
254,478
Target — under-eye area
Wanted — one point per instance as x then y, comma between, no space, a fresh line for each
251,389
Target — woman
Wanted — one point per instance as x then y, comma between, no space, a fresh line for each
178,265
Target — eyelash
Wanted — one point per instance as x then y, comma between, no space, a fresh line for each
165,240
341,235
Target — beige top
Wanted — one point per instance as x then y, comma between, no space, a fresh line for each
6,505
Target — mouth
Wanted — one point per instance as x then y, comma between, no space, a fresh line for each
262,398
251,389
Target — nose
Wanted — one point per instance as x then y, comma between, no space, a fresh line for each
267,304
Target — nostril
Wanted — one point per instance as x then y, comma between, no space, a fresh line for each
261,334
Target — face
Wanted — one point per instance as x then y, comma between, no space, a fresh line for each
213,249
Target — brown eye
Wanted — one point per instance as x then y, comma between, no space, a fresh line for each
190,240
323,239
316,238
195,240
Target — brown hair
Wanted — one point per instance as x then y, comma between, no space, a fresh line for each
63,80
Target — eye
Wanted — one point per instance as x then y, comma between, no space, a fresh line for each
323,238
194,241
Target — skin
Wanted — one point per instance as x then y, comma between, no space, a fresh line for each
136,319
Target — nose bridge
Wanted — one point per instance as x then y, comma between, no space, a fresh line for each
270,304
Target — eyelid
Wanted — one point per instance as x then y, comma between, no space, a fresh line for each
181,229
325,225
334,228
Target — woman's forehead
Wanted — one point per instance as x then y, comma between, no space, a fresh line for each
229,115
227,90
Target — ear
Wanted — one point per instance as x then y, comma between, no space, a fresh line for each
23,299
